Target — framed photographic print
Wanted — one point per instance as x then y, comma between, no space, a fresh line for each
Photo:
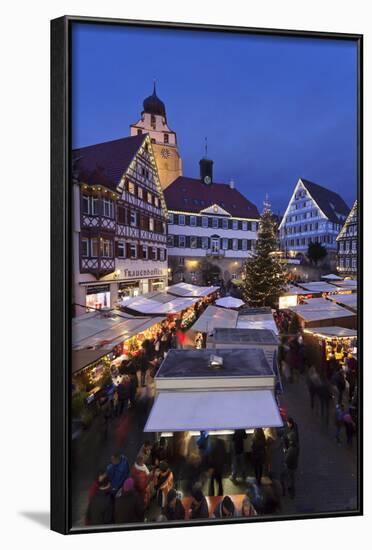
206,275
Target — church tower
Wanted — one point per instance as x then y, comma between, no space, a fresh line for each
153,121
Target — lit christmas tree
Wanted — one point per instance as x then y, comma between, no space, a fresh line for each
264,275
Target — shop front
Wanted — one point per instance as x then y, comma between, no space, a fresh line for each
98,297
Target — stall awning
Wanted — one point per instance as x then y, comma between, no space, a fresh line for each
213,410
214,317
189,290
333,332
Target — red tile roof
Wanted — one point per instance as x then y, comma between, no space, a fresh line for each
105,163
192,195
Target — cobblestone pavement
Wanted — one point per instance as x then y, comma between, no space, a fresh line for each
326,479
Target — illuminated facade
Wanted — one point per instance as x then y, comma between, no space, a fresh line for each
153,121
120,228
314,215
212,228
347,244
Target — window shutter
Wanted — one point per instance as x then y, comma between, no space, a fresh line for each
176,219
187,242
128,250
240,244
230,244
165,253
116,249
199,242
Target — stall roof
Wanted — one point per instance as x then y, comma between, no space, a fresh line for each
107,330
318,286
332,277
189,290
84,357
155,306
245,336
337,332
348,300
319,309
214,317
191,363
292,290
350,284
201,410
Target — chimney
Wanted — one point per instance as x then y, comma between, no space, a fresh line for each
232,184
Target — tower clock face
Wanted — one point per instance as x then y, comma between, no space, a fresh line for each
165,153
207,179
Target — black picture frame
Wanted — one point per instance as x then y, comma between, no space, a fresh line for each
61,254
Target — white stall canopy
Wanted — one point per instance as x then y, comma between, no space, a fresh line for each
191,291
229,302
332,332
213,410
332,277
215,317
155,306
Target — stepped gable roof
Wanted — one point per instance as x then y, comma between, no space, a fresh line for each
105,163
328,201
192,195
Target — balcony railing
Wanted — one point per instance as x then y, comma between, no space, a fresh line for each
216,253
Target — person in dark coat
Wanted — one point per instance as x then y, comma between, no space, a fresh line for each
128,507
237,454
199,505
291,428
325,396
159,451
258,453
174,508
100,509
338,380
291,463
215,460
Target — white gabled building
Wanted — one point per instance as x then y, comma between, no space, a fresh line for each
347,244
313,214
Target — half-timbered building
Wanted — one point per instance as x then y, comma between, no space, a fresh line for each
120,223
347,245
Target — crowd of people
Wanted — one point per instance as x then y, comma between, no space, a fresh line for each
159,486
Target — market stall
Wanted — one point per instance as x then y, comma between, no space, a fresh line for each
331,341
349,301
189,290
189,384
292,296
258,318
214,317
319,312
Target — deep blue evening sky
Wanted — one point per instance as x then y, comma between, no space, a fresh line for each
273,108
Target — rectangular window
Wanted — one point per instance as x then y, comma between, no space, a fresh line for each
108,208
225,244
153,121
121,249
154,253
145,252
151,224
193,221
235,224
133,218
120,211
353,246
235,244
254,226
85,202
95,206
149,198
133,251
181,261
354,263
94,248
205,242
85,247
131,188
204,221
181,241
140,192
166,138
225,223
193,242
170,240
170,217
181,219
156,202
215,223
106,248
244,226
162,254
244,244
